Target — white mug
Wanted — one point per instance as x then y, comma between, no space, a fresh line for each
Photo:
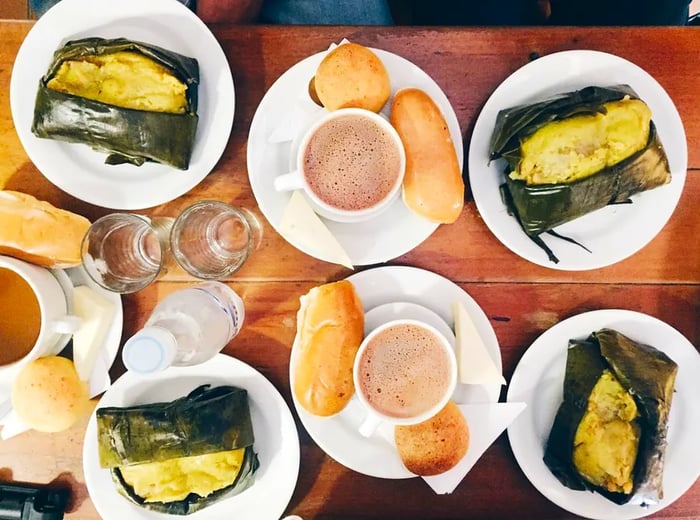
374,416
297,180
56,323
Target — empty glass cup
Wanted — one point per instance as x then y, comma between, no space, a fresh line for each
123,252
211,240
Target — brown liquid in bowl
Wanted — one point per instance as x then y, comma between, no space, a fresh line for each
20,317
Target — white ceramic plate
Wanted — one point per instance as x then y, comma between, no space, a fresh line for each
338,435
538,381
276,440
377,240
612,233
76,168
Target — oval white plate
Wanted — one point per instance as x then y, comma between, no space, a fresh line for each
377,240
612,233
76,168
276,440
538,381
337,435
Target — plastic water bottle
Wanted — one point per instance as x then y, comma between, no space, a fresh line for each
186,328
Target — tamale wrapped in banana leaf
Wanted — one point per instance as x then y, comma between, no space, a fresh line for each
181,456
133,100
609,434
575,153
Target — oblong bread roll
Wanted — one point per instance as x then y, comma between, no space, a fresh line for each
436,445
38,232
352,76
433,186
330,328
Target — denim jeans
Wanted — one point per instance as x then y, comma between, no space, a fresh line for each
326,12
307,12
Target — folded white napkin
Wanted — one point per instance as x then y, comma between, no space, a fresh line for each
486,423
303,112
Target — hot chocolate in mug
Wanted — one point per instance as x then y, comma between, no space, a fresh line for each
405,372
350,164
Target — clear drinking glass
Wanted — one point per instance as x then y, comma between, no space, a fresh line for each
123,252
211,239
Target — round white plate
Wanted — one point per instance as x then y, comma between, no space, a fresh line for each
338,435
76,168
538,381
612,233
276,440
377,240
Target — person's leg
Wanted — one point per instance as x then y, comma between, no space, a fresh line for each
326,12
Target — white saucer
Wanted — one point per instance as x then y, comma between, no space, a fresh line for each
428,297
389,235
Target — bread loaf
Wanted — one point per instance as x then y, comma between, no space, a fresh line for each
436,445
36,231
433,186
330,328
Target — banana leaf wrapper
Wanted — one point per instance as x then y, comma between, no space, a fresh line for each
540,208
127,135
205,421
649,376
193,502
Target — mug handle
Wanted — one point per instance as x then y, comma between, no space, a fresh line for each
289,181
66,324
369,426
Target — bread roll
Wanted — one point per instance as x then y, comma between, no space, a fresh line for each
36,231
48,395
352,76
330,328
436,445
433,186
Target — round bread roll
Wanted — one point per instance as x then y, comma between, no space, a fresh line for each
436,445
48,395
352,76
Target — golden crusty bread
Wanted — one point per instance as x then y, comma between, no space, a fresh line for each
436,445
35,231
432,186
48,395
330,328
352,76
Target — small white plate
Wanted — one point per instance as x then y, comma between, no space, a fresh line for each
394,232
338,435
276,440
538,381
76,168
612,233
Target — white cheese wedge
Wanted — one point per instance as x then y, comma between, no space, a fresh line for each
475,365
96,313
301,225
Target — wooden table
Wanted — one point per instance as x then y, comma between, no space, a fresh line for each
521,299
